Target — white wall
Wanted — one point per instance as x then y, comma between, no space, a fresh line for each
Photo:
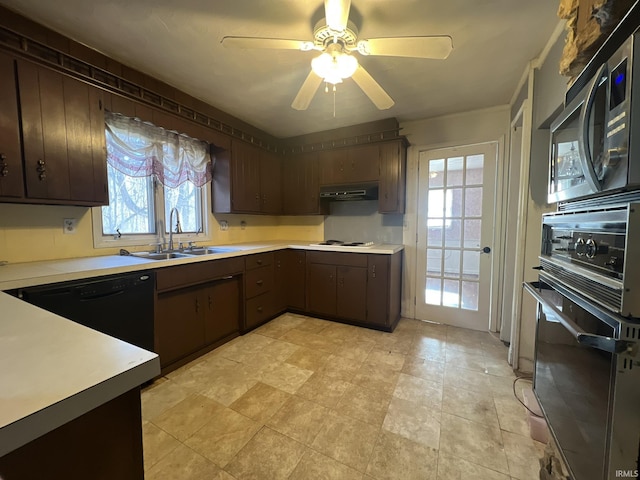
447,131
545,92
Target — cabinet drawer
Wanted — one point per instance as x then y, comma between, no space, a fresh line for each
258,281
195,273
258,310
258,260
338,258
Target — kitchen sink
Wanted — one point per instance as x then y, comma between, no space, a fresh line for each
161,256
210,250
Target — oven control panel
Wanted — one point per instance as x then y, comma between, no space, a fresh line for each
602,252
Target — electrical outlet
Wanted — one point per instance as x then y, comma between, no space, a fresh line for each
69,226
224,225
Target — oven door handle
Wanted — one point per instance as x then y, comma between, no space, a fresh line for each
607,344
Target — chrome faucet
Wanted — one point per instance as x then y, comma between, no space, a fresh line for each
178,228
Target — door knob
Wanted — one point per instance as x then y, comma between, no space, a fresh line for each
486,250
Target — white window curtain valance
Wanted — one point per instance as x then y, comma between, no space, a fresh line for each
140,149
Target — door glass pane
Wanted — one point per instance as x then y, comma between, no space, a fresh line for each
471,265
453,233
433,292
452,263
451,294
436,173
434,261
475,164
472,233
434,235
455,171
435,207
454,202
470,295
473,202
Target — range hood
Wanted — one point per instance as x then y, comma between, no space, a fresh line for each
349,192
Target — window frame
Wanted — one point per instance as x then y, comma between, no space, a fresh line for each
161,236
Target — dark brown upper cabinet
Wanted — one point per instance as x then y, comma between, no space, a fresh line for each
247,179
63,137
391,192
300,185
358,164
11,176
270,183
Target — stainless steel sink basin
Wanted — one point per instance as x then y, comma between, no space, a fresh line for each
161,256
210,250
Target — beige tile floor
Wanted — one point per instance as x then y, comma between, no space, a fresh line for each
303,398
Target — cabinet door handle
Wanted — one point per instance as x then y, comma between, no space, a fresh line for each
197,305
4,170
210,302
259,282
41,169
259,262
259,309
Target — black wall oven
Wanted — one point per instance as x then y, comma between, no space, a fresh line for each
587,364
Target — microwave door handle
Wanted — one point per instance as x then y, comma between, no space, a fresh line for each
600,342
586,157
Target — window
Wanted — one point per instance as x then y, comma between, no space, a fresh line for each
150,171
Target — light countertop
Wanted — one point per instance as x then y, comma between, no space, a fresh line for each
20,275
55,370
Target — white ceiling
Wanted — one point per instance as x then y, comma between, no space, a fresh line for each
179,43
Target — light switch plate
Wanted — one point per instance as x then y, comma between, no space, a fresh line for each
69,226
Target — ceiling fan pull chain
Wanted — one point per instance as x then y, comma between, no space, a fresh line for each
334,101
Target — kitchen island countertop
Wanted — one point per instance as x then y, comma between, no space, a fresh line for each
55,370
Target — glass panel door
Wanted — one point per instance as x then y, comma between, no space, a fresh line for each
455,224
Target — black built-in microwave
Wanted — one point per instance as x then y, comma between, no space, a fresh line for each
595,142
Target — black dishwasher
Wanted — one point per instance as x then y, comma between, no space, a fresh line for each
118,305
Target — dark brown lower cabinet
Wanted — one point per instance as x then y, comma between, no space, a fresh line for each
384,284
180,323
355,287
337,285
290,280
321,288
260,295
223,309
351,293
258,310
103,444
190,319
198,307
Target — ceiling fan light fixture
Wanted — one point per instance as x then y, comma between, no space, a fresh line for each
334,67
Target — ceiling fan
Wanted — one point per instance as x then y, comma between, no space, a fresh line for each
337,38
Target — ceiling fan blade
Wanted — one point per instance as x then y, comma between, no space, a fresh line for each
306,92
336,13
273,43
437,47
372,89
